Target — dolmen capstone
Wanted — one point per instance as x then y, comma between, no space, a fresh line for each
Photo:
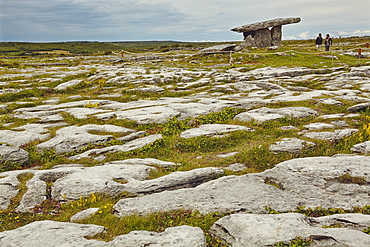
264,34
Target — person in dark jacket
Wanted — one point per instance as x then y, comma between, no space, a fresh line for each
328,42
318,41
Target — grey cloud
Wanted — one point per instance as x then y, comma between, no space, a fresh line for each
53,20
36,17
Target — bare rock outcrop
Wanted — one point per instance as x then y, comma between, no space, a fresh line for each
267,229
72,182
310,182
13,154
63,234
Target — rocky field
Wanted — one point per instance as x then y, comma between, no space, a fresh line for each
256,148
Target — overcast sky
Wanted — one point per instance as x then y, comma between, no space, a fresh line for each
179,20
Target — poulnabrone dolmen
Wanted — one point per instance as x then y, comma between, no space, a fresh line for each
264,34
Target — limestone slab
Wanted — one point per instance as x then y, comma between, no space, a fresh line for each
246,230
212,129
311,182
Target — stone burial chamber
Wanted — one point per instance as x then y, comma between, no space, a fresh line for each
264,34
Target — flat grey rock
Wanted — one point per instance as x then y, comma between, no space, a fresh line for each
218,49
175,180
271,72
363,148
226,155
68,84
288,128
8,187
212,129
330,136
319,126
147,162
330,101
83,214
74,138
267,229
299,180
180,236
72,182
162,110
128,146
63,234
52,234
13,154
82,113
358,107
291,145
265,114
26,133
236,167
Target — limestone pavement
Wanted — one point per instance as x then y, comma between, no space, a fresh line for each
304,182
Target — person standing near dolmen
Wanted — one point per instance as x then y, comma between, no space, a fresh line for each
328,42
318,41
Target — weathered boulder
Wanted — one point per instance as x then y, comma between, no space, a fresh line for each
83,214
267,229
13,154
63,234
212,130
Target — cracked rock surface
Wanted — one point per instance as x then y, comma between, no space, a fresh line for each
103,130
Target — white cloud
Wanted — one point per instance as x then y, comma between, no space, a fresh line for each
343,33
304,35
364,32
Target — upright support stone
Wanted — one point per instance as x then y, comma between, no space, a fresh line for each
262,38
276,35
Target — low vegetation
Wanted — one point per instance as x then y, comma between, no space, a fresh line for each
252,147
